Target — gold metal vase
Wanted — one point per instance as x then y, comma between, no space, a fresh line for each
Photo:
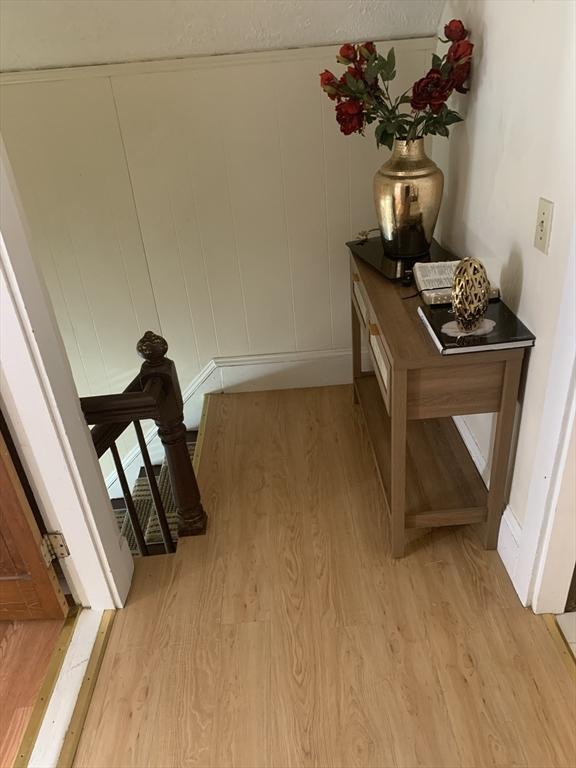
407,194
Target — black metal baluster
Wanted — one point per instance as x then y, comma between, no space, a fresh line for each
133,515
160,511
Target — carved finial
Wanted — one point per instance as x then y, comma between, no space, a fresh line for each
152,347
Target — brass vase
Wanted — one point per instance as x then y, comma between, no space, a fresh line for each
470,294
407,194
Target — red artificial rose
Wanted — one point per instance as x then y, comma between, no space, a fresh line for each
348,52
439,95
458,76
350,116
455,31
431,91
460,51
419,98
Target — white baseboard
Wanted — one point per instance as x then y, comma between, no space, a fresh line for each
245,373
508,547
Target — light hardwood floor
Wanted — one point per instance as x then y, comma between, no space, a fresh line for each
25,651
289,637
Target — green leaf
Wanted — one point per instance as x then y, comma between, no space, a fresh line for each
380,129
442,130
356,86
436,61
371,72
387,66
388,140
451,117
380,62
384,136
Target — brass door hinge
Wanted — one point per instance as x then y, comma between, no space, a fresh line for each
54,547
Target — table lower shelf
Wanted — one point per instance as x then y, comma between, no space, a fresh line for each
443,486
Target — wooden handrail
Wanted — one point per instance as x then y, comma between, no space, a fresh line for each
153,394
134,403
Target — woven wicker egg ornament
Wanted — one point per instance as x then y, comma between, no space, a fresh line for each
470,293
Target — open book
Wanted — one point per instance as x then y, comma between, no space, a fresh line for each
434,281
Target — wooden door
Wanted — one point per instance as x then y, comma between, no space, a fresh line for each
29,588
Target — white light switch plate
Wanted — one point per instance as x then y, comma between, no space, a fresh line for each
543,225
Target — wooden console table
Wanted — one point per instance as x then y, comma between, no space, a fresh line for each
408,400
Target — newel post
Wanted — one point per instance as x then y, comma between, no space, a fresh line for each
172,432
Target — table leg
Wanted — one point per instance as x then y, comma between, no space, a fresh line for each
398,462
501,452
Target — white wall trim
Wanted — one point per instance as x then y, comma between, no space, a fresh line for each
509,537
305,53
554,571
281,357
552,447
58,715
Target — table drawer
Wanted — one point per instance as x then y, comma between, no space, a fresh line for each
359,295
382,365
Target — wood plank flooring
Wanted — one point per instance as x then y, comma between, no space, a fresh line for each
289,637
25,651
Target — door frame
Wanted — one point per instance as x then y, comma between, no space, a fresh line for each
547,546
555,569
41,406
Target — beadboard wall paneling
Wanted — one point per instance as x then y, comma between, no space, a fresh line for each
256,192
209,199
65,147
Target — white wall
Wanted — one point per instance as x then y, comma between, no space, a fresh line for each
516,145
60,33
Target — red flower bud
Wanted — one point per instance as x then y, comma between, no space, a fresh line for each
458,76
329,84
455,31
348,52
327,78
460,51
366,50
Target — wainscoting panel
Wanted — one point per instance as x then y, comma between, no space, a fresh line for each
208,198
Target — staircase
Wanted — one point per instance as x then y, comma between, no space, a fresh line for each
145,509
165,504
